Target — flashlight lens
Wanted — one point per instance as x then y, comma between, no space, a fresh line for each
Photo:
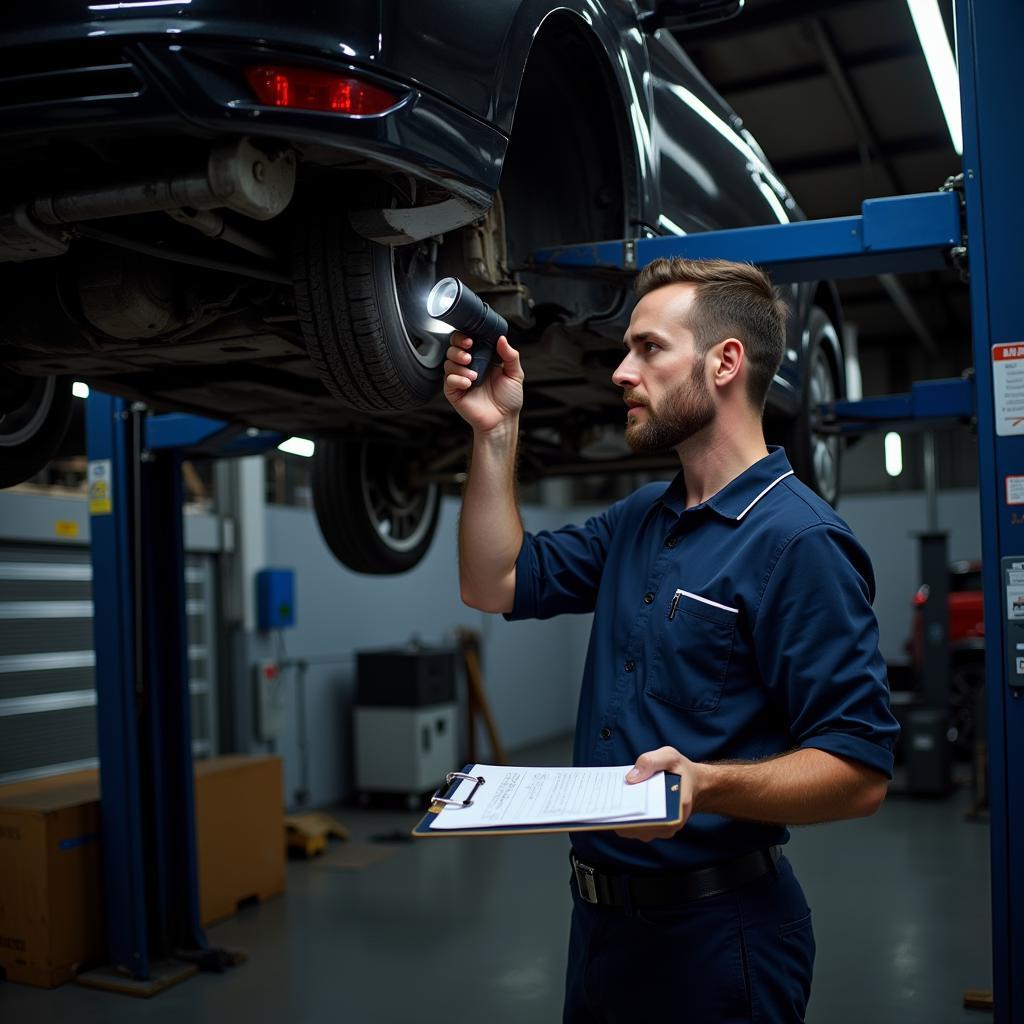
442,297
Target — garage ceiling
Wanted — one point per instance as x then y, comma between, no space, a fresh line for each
839,96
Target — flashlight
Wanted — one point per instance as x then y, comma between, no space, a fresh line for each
458,306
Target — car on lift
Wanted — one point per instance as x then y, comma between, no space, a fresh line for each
237,210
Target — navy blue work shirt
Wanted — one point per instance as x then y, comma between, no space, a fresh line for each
734,630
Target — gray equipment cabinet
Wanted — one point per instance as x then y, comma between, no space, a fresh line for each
406,722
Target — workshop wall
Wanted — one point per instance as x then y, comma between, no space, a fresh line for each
531,669
887,525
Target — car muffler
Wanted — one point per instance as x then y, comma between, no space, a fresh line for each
239,176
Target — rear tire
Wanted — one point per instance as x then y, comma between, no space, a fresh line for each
34,416
371,517
362,311
816,457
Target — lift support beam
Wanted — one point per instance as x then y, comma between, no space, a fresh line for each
898,234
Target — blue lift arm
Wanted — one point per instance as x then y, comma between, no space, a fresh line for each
927,403
892,235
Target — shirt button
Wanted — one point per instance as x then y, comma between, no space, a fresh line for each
630,665
671,542
648,598
606,733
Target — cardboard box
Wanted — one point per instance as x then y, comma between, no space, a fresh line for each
239,832
50,867
50,909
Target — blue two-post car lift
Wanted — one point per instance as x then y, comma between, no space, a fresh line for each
135,500
150,879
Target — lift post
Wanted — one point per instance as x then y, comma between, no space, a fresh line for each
921,232
989,36
151,887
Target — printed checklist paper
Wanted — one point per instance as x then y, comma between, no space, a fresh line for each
511,796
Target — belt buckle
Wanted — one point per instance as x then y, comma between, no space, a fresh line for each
585,884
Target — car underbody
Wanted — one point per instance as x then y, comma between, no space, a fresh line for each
170,238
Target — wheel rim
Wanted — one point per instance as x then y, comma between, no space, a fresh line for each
400,514
413,274
824,447
21,424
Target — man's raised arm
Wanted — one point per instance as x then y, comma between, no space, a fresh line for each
490,530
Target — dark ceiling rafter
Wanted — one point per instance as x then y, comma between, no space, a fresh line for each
837,159
871,148
871,152
813,69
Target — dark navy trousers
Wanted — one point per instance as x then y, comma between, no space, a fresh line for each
742,956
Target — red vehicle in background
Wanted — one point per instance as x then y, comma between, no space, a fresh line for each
966,647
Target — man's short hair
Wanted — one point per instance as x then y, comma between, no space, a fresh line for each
732,300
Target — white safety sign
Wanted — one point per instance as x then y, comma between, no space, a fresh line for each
1015,490
100,484
1008,388
1015,592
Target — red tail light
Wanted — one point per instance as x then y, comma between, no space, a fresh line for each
306,89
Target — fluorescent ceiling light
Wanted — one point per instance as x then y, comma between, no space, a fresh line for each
297,446
80,389
935,43
893,454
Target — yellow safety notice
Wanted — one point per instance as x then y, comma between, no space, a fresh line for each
101,494
65,528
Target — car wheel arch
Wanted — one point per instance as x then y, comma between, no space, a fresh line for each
596,188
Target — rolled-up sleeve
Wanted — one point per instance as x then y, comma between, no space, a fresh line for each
560,570
816,641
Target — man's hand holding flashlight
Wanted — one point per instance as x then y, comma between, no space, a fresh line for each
498,399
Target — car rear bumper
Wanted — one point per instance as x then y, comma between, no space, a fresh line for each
100,92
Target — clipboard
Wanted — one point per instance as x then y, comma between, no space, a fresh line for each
422,830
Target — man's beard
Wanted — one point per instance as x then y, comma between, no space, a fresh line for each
682,413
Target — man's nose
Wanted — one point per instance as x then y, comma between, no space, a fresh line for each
625,374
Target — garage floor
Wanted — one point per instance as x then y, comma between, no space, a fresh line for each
458,931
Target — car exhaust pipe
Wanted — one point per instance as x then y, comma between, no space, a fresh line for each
238,176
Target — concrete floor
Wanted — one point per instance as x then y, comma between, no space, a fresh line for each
455,931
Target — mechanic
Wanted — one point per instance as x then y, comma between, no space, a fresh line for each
733,643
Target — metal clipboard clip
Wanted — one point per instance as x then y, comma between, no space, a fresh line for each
448,780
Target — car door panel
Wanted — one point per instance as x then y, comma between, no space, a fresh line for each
710,176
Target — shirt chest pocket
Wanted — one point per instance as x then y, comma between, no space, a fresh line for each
694,648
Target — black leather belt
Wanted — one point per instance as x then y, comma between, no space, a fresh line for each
666,888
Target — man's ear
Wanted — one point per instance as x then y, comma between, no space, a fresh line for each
729,358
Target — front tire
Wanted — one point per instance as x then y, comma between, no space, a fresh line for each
372,517
34,416
814,456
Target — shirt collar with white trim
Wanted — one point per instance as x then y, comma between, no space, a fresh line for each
735,500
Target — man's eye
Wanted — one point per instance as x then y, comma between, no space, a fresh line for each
651,346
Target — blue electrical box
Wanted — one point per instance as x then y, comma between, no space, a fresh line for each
275,598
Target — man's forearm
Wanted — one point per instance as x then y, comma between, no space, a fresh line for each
799,788
490,530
